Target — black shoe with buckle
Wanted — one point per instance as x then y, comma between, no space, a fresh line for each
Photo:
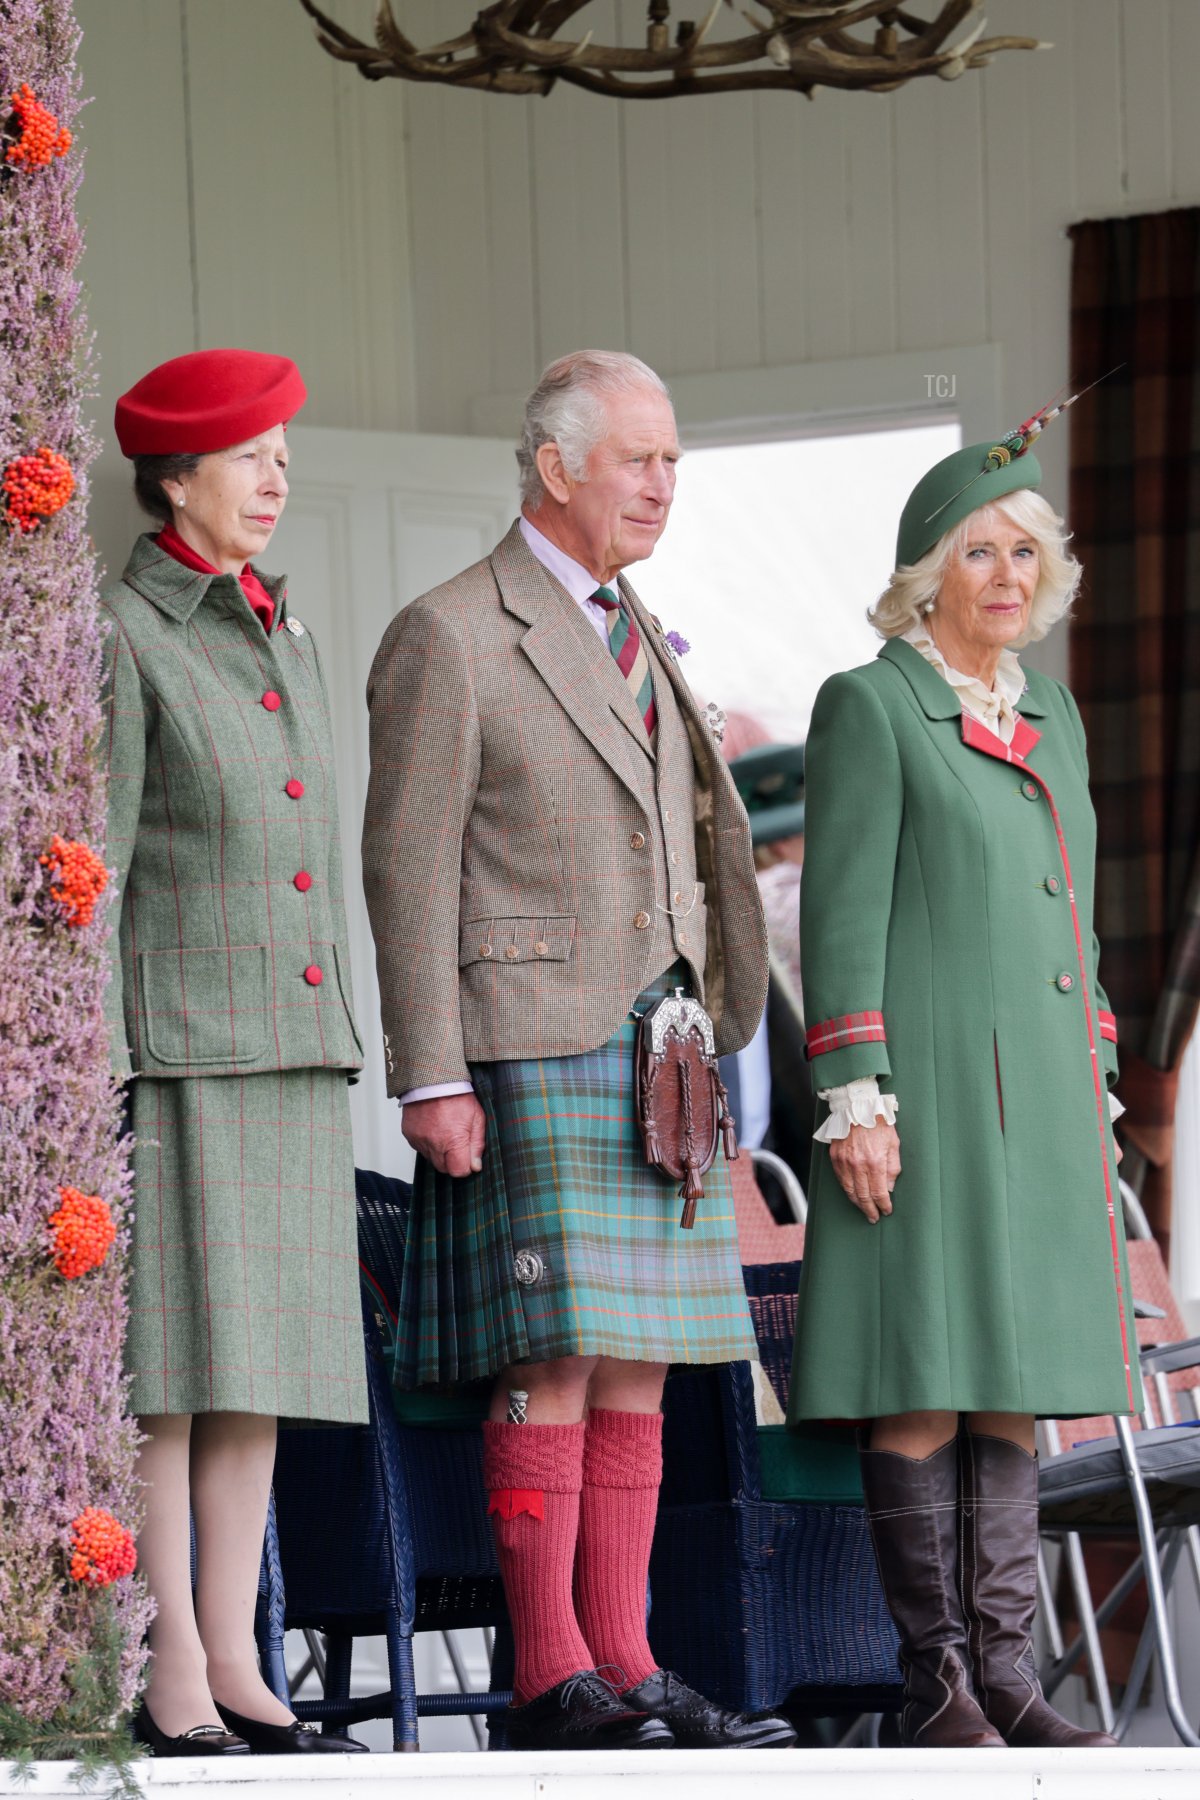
201,1740
699,1724
292,1739
584,1713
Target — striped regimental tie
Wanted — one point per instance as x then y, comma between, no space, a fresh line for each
624,640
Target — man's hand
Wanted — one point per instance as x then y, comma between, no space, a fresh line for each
448,1132
867,1163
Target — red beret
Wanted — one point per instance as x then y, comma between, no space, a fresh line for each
207,401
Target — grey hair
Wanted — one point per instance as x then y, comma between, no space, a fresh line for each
911,587
569,407
149,473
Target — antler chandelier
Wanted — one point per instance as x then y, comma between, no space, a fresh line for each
514,47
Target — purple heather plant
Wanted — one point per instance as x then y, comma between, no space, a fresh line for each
678,643
70,1656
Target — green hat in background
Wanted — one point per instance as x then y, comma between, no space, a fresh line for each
770,780
959,485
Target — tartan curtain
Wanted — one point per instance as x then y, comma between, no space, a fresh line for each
1135,648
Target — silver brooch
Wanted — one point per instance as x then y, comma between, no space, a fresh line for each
528,1267
714,718
294,626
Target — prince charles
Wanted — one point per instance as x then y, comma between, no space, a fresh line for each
552,843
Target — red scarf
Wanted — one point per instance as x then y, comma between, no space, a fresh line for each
261,603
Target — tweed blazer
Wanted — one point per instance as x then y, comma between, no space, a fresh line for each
231,956
508,789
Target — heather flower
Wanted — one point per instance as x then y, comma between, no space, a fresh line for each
70,1654
677,644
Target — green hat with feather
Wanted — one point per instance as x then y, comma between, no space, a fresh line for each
957,486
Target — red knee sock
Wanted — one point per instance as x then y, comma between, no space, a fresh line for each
622,1472
533,1474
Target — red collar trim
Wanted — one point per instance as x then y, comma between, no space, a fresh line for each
978,737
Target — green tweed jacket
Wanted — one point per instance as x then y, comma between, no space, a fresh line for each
231,957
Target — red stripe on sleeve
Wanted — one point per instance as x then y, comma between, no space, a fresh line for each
850,1028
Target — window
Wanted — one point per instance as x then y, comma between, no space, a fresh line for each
774,552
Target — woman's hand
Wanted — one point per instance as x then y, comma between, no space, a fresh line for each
867,1164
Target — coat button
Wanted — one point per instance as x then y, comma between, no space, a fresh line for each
1065,983
681,937
641,920
1030,789
485,949
271,700
314,975
667,814
637,841
511,951
540,949
1053,884
294,789
302,880
674,856
678,897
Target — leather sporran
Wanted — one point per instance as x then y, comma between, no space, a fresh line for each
682,1107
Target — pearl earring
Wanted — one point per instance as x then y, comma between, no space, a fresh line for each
183,502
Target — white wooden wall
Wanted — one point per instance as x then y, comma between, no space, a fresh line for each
422,252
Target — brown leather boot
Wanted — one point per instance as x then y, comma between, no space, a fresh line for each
912,1509
998,1572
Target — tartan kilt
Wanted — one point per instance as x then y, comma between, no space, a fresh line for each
567,1243
244,1286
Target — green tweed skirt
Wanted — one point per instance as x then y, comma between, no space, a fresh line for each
244,1292
567,1243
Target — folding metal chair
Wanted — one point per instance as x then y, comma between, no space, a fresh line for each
1136,1479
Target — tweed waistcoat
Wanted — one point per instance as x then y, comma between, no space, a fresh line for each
665,785
231,955
520,835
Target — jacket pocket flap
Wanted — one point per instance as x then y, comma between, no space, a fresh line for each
543,938
205,1006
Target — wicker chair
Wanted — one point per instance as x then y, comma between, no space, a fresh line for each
382,1528
763,1602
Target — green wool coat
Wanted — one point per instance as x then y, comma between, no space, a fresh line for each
232,956
947,948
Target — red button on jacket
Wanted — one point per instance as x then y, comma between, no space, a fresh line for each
313,975
294,789
302,880
271,700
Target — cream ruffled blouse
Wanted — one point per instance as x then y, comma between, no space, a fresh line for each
860,1102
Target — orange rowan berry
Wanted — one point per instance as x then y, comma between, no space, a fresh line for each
36,487
39,137
83,1232
81,879
102,1550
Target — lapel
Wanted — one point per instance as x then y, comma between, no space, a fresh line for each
177,590
567,653
938,700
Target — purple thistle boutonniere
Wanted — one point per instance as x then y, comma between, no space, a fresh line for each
676,643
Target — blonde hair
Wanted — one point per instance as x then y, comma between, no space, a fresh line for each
910,588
